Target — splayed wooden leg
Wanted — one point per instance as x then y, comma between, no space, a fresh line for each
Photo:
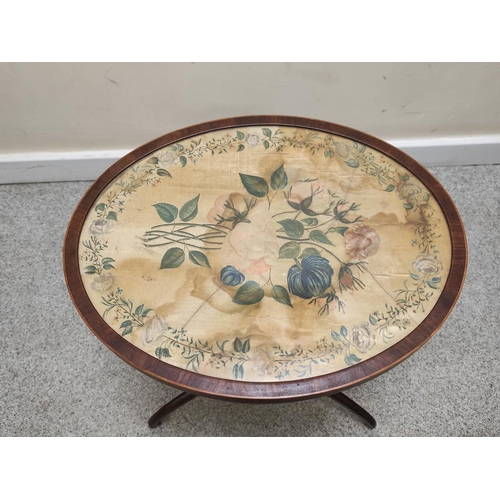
348,403
170,407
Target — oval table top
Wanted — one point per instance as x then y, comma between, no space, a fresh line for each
265,257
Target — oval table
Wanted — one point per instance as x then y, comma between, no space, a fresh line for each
265,259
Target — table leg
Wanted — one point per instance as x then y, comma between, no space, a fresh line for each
170,407
348,403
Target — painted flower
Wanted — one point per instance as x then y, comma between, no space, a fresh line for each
343,207
231,276
310,196
154,329
252,140
101,226
427,264
166,157
261,362
103,282
407,190
362,337
252,247
361,241
343,150
310,278
228,208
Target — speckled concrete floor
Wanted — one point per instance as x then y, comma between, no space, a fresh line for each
57,379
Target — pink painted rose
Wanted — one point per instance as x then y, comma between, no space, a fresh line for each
427,264
310,196
154,329
166,157
362,337
261,362
361,241
252,247
252,140
226,208
103,282
343,150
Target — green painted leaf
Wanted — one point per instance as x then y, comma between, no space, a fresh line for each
408,206
127,331
246,346
267,132
289,250
167,212
236,372
351,162
343,331
139,309
266,144
126,324
280,294
310,221
241,371
341,230
100,207
180,147
112,216
256,186
390,188
335,335
145,313
241,147
237,345
319,236
436,279
249,293
240,135
107,259
162,352
183,161
221,346
351,359
153,160
293,228
173,257
279,179
415,276
433,285
307,252
198,258
362,149
107,266
163,173
189,210
372,319
90,270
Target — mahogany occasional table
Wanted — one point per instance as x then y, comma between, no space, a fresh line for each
265,259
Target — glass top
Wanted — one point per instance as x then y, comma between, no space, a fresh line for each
264,253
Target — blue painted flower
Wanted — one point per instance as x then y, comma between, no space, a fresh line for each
310,278
231,276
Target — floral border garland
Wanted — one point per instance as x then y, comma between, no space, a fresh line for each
298,362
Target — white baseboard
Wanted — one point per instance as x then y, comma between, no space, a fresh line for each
88,165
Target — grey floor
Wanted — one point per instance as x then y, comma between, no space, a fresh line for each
57,379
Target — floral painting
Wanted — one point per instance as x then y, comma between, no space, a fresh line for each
265,253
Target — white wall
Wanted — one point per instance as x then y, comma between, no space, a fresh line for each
54,107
